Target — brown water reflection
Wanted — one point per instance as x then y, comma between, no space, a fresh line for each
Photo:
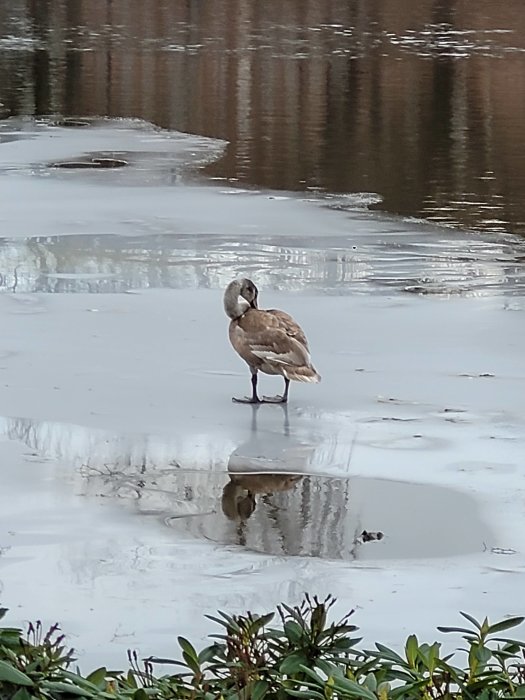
423,106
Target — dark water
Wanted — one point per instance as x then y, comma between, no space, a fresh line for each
420,101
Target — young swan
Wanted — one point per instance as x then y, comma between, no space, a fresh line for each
268,341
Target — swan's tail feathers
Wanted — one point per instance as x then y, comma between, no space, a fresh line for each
302,374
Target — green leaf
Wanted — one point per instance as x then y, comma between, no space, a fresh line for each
265,619
22,694
483,655
291,611
98,677
79,680
383,690
328,668
66,688
259,690
411,648
189,654
370,682
207,654
305,694
293,631
292,664
313,675
346,629
165,662
505,624
506,640
227,621
429,653
454,629
386,653
344,644
10,635
131,680
10,674
471,619
140,694
191,663
186,646
354,689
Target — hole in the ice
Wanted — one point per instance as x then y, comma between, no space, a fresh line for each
73,123
294,514
95,162
263,495
335,518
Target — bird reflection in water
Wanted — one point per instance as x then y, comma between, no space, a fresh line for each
274,497
268,500
316,520
238,496
239,500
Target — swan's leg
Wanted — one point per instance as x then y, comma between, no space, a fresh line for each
278,399
254,398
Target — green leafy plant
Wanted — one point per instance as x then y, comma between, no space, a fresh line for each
297,653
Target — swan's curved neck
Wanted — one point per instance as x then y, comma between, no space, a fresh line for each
235,305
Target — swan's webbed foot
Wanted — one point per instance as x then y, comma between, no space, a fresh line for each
274,399
278,399
247,399
254,398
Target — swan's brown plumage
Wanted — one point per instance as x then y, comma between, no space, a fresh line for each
268,341
273,343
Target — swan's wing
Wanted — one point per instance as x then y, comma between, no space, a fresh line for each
286,323
274,345
273,339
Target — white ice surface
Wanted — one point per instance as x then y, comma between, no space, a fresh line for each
417,389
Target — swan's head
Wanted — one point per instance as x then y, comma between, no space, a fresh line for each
249,292
240,295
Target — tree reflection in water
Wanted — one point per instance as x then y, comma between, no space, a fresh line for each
265,496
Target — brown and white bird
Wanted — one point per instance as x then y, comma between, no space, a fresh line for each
268,341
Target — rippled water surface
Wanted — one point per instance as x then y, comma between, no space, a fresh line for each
422,107
118,264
